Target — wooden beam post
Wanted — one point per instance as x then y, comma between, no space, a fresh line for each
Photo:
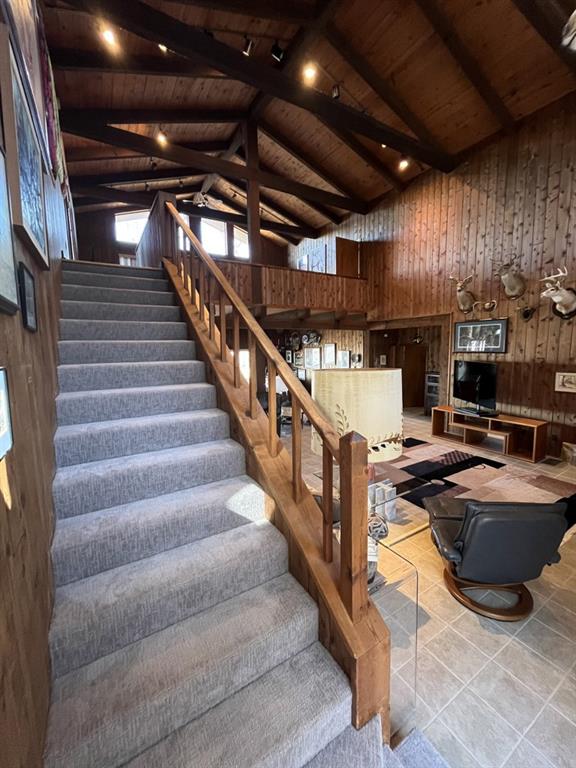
354,524
253,191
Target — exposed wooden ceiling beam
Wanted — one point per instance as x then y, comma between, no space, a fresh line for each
91,61
379,84
466,61
303,157
370,158
181,155
145,21
548,29
131,177
191,115
272,206
241,221
232,203
294,12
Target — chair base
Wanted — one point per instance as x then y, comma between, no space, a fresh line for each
520,610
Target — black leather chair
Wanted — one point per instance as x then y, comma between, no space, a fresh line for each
497,546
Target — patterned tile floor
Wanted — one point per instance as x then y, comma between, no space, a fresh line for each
487,694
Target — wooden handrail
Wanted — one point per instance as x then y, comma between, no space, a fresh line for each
297,390
350,625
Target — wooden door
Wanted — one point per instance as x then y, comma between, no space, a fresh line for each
347,257
412,359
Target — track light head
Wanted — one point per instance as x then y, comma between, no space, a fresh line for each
277,52
335,91
403,164
248,46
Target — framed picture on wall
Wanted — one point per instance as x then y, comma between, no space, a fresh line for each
565,382
27,298
488,336
343,358
25,166
8,284
329,355
289,356
303,263
5,419
312,358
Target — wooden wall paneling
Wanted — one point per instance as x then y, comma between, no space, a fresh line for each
515,195
97,237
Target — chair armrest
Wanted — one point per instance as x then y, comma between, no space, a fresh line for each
443,533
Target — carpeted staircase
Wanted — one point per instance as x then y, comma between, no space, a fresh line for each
178,639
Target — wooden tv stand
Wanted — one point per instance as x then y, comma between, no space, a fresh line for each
521,438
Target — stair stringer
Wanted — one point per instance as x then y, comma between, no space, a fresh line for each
363,649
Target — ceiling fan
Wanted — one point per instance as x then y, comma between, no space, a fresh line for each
202,200
569,33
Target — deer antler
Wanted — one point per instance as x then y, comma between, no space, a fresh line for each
558,278
467,280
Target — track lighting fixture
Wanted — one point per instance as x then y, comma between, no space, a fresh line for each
383,146
277,52
309,72
248,46
161,138
163,48
335,91
109,37
403,164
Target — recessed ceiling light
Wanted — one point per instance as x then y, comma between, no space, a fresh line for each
383,146
309,72
277,52
161,138
163,47
248,46
109,37
403,164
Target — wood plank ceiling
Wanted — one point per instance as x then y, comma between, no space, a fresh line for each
433,78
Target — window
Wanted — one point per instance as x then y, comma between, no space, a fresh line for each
129,226
213,236
183,242
241,247
244,363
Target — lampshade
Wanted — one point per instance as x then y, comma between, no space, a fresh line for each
364,400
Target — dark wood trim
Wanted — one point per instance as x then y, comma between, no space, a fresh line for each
273,206
200,162
546,28
241,221
293,12
379,85
253,191
132,177
473,71
74,60
145,21
150,116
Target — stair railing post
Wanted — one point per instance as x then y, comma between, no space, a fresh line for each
236,344
296,450
354,524
211,306
253,407
327,503
272,430
222,309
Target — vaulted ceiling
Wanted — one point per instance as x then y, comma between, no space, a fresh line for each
429,79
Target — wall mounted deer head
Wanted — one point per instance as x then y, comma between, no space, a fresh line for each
465,298
564,298
511,276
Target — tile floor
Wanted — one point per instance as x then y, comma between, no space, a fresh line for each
487,694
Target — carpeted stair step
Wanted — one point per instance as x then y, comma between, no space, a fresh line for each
96,310
361,748
116,295
111,269
128,282
142,693
99,615
85,488
82,378
98,541
130,402
75,352
83,443
417,752
116,330
281,719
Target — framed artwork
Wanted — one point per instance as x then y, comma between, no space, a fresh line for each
8,285
25,165
565,382
289,356
303,263
343,358
6,441
329,355
27,298
298,358
488,336
383,361
312,357
301,374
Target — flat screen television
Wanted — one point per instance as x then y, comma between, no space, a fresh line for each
475,383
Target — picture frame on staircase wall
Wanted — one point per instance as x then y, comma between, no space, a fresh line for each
24,159
8,283
27,298
6,440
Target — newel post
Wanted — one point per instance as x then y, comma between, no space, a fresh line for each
354,524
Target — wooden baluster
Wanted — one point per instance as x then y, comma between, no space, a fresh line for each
327,503
296,450
201,294
223,347
185,271
354,524
253,408
195,280
211,307
272,431
236,344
